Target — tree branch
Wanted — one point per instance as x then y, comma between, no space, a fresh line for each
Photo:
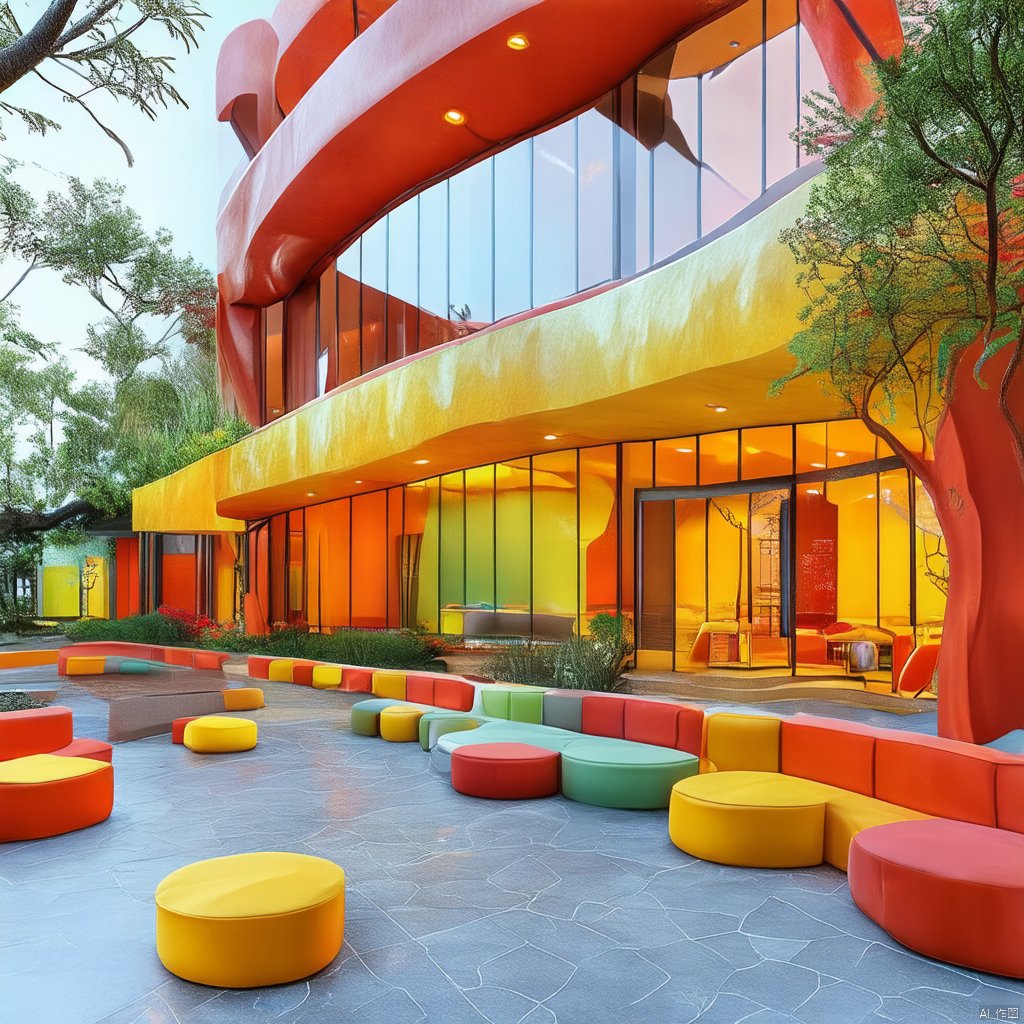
86,23
22,56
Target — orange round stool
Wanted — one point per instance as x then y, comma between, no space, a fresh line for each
505,771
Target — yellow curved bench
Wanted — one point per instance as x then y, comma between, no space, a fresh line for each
326,677
252,919
767,820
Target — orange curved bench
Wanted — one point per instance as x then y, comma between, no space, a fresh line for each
35,731
44,795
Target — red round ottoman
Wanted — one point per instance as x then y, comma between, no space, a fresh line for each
178,728
947,889
504,771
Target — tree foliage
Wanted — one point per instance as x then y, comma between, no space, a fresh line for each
911,245
90,47
71,450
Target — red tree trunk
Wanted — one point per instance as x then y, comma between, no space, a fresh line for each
977,486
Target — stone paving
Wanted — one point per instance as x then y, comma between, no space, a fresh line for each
458,910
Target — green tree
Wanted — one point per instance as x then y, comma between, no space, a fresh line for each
911,252
93,46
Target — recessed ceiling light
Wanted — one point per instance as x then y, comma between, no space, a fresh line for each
685,451
817,465
550,437
517,41
421,462
813,490
870,495
840,455
275,411
454,116
310,494
359,481
734,44
720,408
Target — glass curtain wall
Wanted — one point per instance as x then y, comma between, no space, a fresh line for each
671,155
537,546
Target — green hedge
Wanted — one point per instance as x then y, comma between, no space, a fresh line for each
376,648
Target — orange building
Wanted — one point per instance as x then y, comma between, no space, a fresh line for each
502,288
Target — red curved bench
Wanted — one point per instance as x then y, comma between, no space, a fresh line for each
35,731
948,889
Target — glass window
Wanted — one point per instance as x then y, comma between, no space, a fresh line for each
731,139
728,565
349,315
894,551
513,170
273,332
643,191
453,541
599,533
512,535
471,298
675,169
373,295
932,560
811,447
555,544
369,560
676,462
781,97
812,76
595,199
767,451
435,323
849,442
657,598
637,472
480,536
403,283
718,455
421,554
396,577
327,336
554,214
857,586
691,571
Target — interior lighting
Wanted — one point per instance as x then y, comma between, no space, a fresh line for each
420,462
751,450
550,437
359,481
734,44
454,116
685,451
517,41
719,408
275,411
870,496
840,455
310,494
817,465
813,490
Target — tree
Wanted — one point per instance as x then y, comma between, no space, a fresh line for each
92,46
911,252
71,452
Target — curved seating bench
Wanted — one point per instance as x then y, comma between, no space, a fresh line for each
618,773
243,698
947,889
220,735
44,795
435,724
35,731
505,771
250,920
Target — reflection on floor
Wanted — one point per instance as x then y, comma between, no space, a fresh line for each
458,910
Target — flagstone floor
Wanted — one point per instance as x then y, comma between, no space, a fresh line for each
458,910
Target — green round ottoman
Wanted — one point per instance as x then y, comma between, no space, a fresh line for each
617,773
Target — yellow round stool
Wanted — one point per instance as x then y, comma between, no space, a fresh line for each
400,724
749,819
219,735
250,920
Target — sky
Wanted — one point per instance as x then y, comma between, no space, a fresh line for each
182,161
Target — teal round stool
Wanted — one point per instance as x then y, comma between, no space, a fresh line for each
617,773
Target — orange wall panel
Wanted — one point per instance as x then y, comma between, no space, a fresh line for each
179,581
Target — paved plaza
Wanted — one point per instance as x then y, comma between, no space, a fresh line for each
458,909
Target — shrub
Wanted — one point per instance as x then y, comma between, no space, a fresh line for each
153,628
589,663
192,625
526,663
